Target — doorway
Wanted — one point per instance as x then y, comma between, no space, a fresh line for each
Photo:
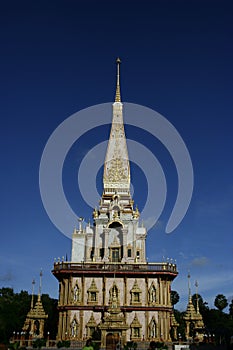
112,341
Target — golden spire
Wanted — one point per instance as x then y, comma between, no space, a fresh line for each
118,92
197,301
189,289
32,301
40,287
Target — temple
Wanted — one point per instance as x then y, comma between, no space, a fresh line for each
108,291
194,325
33,327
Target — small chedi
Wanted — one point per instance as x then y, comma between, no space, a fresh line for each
34,324
193,319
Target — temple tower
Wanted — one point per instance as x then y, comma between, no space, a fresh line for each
108,289
35,320
193,319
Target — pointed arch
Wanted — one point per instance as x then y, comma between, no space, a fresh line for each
91,326
76,294
136,294
92,293
152,329
136,328
114,294
74,327
152,294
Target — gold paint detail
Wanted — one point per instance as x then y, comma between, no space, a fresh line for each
92,294
135,294
135,328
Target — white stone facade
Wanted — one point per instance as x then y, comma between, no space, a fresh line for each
109,288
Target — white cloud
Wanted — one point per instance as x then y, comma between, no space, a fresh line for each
200,261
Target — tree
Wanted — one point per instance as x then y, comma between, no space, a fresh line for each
231,309
174,297
220,302
14,308
203,305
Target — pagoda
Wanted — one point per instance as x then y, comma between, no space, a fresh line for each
108,287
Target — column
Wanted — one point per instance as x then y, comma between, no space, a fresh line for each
81,333
143,250
161,291
66,292
96,251
106,238
124,234
165,293
125,290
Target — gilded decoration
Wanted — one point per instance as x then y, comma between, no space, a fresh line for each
135,328
117,171
135,294
92,293
91,325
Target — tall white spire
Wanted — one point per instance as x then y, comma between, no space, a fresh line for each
116,167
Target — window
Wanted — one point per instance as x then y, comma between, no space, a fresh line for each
136,297
129,253
102,252
91,331
135,328
92,296
136,332
92,293
115,255
135,294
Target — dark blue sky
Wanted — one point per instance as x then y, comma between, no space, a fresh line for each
58,57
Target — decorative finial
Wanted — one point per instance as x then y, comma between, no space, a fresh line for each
80,220
118,93
189,289
196,285
32,301
40,287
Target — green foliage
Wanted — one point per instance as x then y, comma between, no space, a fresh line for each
203,306
220,302
181,328
96,335
174,297
130,345
216,322
96,345
231,308
219,324
63,344
14,308
38,343
157,345
50,307
14,346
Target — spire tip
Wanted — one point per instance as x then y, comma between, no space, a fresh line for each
118,93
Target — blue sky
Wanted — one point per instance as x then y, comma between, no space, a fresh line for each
58,57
